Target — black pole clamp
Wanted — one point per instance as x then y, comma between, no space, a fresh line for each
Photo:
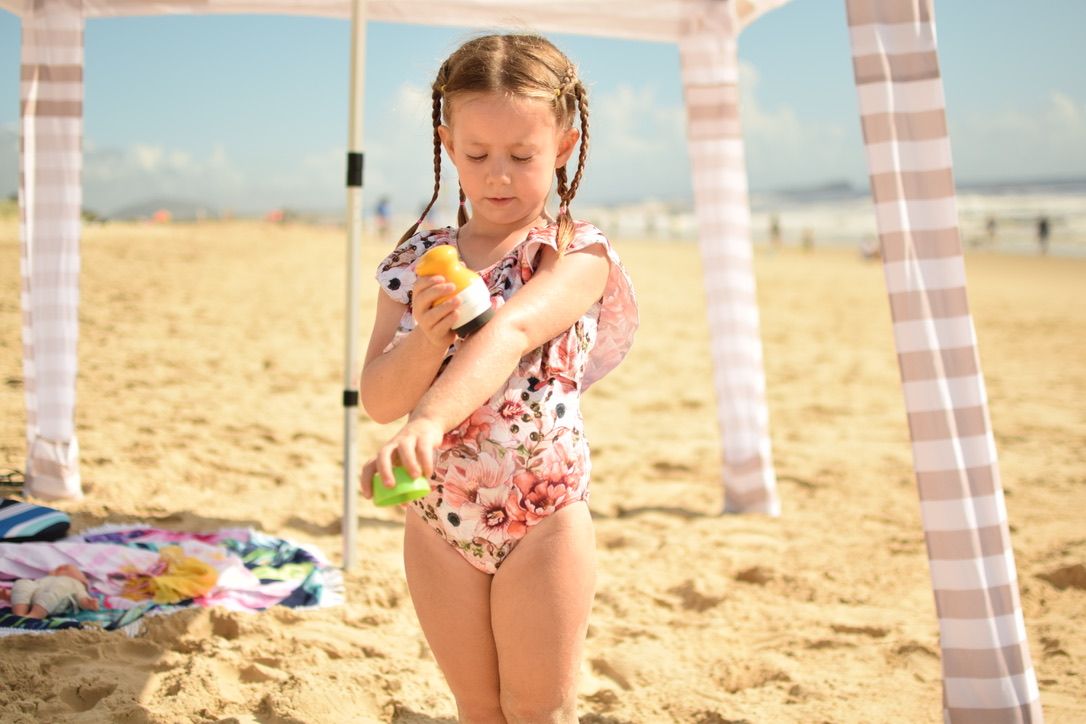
354,169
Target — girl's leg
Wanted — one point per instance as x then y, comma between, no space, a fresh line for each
540,600
452,601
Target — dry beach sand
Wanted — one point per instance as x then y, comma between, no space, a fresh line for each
208,396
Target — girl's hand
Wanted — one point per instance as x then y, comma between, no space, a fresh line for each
434,322
412,448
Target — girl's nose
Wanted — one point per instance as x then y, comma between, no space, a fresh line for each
499,171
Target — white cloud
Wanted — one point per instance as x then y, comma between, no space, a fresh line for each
399,156
116,177
784,150
637,147
1046,141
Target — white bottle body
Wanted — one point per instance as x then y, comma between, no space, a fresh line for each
474,302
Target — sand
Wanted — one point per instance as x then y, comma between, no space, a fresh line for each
209,396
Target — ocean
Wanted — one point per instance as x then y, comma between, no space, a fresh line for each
1000,217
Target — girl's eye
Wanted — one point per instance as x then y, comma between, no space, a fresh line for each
522,160
477,158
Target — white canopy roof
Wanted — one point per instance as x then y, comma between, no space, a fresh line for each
660,20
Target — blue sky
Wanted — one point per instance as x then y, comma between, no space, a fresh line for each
249,112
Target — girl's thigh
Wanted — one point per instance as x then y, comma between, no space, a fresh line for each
540,600
452,601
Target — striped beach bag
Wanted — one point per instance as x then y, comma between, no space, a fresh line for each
24,522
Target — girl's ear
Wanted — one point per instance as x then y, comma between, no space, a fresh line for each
566,141
446,138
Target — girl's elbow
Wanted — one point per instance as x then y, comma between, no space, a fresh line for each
381,417
371,405
513,332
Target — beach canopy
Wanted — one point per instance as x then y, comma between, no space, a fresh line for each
987,671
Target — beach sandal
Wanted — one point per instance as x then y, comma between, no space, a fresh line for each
11,481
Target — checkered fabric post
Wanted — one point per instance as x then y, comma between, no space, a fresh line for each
987,672
710,70
51,159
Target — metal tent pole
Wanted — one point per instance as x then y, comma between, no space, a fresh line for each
354,243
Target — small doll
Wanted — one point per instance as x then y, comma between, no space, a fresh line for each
63,590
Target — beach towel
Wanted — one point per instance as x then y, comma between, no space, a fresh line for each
127,565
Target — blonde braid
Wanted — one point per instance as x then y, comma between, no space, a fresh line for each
581,94
566,194
462,214
438,90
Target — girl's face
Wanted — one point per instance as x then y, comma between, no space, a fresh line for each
505,151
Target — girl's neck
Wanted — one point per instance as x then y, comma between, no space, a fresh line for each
482,243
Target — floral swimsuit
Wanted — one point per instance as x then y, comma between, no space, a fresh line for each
523,455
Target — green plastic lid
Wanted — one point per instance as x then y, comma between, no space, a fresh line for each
407,489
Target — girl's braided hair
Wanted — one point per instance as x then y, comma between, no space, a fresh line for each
526,66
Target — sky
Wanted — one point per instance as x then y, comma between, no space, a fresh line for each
249,113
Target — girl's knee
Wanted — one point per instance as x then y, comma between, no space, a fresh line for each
539,707
481,711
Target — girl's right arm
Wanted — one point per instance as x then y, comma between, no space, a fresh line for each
393,382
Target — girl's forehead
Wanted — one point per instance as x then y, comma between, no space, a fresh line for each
496,113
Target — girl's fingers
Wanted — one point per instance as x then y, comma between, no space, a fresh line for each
366,478
426,296
384,464
425,284
442,313
408,458
425,453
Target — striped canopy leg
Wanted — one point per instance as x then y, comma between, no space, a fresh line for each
987,672
50,198
710,69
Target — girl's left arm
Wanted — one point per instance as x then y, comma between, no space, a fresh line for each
558,294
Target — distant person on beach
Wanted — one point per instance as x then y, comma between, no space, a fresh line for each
1043,231
869,249
775,231
808,238
991,228
500,555
382,213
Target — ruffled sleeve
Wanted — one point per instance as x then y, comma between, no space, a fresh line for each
396,272
618,318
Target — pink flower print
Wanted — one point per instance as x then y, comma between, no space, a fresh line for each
518,517
512,407
539,496
464,479
488,518
560,361
550,483
472,431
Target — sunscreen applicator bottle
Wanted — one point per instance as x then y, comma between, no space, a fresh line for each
475,309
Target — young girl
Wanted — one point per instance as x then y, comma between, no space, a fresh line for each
500,557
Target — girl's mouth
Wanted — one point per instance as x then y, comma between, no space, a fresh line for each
499,200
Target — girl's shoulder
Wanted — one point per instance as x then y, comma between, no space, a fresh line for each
396,272
585,234
617,316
